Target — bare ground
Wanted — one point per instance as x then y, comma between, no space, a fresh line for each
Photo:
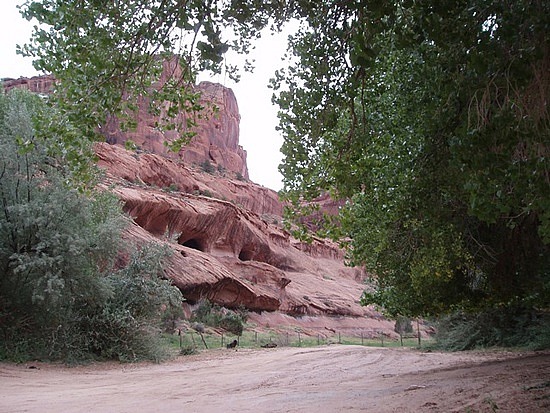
321,379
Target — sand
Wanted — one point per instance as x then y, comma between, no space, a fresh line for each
332,378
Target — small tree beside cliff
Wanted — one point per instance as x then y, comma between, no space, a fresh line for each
61,294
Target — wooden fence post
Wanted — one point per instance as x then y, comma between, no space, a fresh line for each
418,331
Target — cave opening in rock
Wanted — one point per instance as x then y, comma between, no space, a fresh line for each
193,243
246,255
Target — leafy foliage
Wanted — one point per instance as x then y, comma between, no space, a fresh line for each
430,119
128,326
511,327
216,316
63,294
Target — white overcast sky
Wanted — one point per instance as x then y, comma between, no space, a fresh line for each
258,116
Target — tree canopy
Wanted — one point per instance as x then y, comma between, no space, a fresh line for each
430,118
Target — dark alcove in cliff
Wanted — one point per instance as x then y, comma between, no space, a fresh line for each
194,243
246,254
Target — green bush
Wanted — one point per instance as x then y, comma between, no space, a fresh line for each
504,327
215,316
204,314
207,167
128,326
232,323
65,293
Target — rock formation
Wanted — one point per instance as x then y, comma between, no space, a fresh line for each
171,174
217,132
225,232
225,251
36,84
216,126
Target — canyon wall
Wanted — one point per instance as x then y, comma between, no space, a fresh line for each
226,233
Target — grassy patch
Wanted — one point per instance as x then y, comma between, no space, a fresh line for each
254,338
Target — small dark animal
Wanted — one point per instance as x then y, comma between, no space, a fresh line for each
269,345
233,344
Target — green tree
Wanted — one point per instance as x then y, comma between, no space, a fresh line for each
63,291
432,120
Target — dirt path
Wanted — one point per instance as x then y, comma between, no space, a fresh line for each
321,379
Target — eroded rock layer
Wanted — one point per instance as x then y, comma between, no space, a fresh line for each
225,231
36,84
223,250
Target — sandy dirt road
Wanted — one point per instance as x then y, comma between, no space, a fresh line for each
318,380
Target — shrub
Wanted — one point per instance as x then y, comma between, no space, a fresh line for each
207,167
232,323
216,316
63,292
130,145
505,327
203,311
173,187
129,324
403,325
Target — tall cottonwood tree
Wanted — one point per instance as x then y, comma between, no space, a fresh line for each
432,119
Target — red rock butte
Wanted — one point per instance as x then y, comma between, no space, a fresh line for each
226,232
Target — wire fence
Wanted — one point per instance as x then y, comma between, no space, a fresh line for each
190,339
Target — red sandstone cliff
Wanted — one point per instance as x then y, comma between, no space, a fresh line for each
225,232
223,250
217,132
37,84
217,126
